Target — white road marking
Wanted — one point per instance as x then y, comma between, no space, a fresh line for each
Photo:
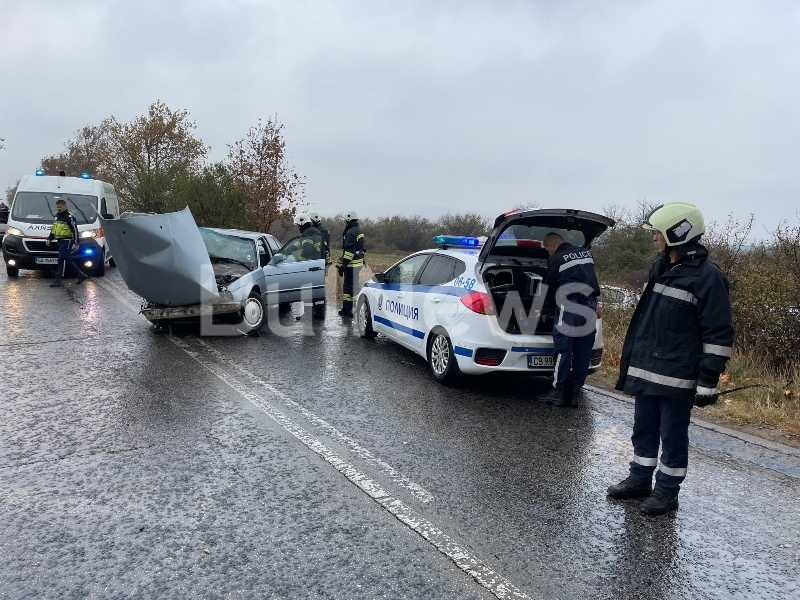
476,568
471,565
357,449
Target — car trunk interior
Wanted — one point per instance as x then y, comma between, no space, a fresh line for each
517,287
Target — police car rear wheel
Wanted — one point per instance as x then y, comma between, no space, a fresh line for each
364,319
254,312
441,358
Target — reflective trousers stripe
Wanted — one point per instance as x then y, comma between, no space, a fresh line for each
645,462
718,350
685,384
670,471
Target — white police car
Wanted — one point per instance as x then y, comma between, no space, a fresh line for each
472,305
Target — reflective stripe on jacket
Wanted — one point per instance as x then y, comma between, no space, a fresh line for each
683,324
352,247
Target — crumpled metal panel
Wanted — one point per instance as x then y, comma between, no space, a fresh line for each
162,257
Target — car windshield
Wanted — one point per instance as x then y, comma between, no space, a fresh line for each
512,234
40,207
229,247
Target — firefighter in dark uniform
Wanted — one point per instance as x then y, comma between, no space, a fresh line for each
351,261
310,249
325,249
677,345
571,300
65,232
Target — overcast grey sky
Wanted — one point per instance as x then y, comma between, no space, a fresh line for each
426,107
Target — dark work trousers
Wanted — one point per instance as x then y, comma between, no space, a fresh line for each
349,287
667,420
572,354
65,259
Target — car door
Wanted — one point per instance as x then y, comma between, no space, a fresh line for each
296,272
428,293
394,314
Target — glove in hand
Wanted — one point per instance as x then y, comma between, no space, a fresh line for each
706,389
340,270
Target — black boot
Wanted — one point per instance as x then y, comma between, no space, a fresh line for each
630,488
347,308
554,397
81,278
575,396
56,282
659,503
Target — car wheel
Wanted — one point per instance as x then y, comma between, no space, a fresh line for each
364,319
12,271
254,313
441,358
100,269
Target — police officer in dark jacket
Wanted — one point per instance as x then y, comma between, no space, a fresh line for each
571,300
65,232
351,261
676,348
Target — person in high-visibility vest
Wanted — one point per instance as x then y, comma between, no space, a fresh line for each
65,232
351,261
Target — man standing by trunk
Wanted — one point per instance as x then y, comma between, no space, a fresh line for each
571,299
677,345
65,231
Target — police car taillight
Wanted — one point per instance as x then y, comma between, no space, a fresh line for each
479,302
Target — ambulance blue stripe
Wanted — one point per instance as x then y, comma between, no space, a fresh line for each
463,351
547,351
405,329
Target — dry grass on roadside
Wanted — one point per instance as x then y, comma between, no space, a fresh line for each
775,402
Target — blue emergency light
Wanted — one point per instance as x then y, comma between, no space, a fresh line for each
88,251
457,240
39,172
85,176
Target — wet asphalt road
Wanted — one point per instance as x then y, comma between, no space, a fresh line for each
137,464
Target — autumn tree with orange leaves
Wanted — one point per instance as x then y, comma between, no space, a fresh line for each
272,190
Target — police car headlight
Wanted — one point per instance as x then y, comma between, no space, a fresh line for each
92,233
14,231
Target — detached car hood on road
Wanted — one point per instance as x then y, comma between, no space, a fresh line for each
162,257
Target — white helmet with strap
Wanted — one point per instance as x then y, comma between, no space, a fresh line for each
678,222
350,215
314,216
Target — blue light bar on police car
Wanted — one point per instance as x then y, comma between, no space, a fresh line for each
39,172
457,240
85,176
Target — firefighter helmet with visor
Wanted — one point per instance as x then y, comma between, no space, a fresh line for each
678,222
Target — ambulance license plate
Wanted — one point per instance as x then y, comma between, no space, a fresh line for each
536,361
46,261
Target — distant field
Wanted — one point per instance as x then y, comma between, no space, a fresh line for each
380,262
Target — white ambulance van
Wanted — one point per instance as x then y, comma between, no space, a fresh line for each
33,211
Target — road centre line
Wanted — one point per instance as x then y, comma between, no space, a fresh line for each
357,449
474,567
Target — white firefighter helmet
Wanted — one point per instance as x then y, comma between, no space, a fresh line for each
314,216
678,222
350,215
302,219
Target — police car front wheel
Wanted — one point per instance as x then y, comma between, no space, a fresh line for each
364,319
441,358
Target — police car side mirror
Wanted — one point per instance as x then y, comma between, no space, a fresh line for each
379,277
277,259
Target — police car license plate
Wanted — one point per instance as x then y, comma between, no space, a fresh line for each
46,261
540,360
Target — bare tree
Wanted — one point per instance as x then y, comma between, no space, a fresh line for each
82,154
273,191
146,157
